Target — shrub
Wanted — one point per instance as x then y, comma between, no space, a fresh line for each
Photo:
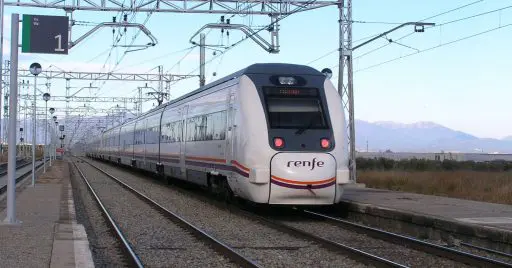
382,163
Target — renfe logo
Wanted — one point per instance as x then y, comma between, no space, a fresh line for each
306,163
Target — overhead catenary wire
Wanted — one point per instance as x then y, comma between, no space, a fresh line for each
206,35
438,25
422,20
435,47
118,61
400,38
255,32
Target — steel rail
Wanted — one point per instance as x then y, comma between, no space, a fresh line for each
18,166
218,245
505,254
3,189
356,254
353,253
126,245
453,254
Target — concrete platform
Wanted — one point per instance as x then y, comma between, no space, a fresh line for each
433,217
48,235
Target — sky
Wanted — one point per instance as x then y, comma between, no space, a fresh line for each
453,74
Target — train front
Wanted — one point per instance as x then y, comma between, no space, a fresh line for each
306,141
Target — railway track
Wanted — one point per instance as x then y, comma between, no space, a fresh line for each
501,253
217,245
363,256
21,164
453,254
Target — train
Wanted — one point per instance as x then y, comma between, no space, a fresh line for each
271,133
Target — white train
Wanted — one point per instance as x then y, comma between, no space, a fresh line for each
269,133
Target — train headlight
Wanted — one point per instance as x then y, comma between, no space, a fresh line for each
325,143
287,80
278,142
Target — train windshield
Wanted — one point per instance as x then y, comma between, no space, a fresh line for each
295,108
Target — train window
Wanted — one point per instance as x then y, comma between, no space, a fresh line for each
207,127
295,112
171,132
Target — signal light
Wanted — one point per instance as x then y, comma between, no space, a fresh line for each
278,142
325,143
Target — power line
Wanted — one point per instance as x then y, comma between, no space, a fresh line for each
323,56
431,17
375,22
438,25
434,47
207,33
400,38
156,58
451,10
473,16
254,33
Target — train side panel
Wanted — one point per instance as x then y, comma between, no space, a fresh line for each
170,142
126,145
251,153
139,142
205,135
152,140
337,114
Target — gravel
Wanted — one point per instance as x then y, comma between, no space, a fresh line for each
455,245
157,241
265,245
448,241
390,251
104,246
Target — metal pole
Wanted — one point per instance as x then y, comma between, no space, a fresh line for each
49,145
201,59
34,135
13,97
346,91
1,62
45,135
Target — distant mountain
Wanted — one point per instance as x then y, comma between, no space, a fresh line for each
381,136
423,137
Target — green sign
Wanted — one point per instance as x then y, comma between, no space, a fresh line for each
45,34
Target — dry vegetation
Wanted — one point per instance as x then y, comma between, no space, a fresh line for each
39,153
495,187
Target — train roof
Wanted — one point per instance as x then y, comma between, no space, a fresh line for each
256,68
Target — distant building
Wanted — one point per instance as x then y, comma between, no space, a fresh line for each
477,157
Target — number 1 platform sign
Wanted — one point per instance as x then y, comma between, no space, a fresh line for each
45,34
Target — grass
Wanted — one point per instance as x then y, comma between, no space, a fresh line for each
494,187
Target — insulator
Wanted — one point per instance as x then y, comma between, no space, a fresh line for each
125,17
113,19
227,21
222,19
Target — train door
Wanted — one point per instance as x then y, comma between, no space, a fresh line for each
230,126
183,143
135,137
158,161
145,133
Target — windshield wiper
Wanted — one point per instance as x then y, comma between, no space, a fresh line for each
301,130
